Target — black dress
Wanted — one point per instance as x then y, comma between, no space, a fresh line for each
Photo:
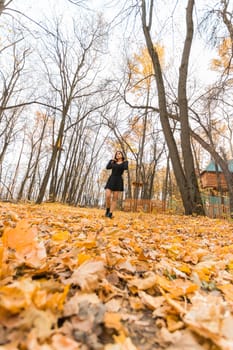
115,180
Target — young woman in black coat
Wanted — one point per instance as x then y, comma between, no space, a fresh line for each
115,182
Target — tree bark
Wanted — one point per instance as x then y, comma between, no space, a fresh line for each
3,5
189,169
52,161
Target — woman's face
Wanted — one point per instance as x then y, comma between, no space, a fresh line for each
118,155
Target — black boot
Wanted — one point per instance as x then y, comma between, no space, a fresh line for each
107,211
109,215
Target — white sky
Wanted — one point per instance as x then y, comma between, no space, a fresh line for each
41,9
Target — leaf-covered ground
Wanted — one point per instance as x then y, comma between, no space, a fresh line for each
72,279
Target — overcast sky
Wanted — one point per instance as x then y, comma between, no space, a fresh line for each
170,35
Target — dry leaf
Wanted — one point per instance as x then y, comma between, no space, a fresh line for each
146,276
144,283
113,320
22,241
62,342
88,275
151,302
17,296
72,305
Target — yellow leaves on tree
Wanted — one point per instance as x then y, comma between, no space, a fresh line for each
141,69
224,62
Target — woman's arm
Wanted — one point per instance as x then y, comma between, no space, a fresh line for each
110,163
126,163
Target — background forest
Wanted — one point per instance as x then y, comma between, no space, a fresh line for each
81,79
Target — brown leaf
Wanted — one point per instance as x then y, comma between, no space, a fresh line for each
72,305
144,283
88,275
152,302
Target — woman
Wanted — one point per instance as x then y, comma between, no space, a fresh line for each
115,183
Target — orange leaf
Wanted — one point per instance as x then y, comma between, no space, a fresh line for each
227,290
177,287
17,296
24,245
113,320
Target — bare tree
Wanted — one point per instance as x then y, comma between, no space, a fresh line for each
36,139
186,178
12,87
74,60
3,5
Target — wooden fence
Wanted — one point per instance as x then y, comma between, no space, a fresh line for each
145,205
214,206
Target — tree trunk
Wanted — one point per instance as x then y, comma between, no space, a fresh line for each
173,152
190,174
222,163
26,176
52,161
36,163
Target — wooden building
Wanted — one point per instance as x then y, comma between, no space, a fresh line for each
215,192
213,178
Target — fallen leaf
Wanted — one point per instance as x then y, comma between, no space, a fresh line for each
88,275
17,296
22,241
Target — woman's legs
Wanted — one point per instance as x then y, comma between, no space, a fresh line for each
108,194
111,198
113,202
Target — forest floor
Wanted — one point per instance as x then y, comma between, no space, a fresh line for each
72,279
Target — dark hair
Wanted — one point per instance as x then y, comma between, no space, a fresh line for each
123,157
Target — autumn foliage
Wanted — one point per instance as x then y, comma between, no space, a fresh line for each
73,279
223,63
